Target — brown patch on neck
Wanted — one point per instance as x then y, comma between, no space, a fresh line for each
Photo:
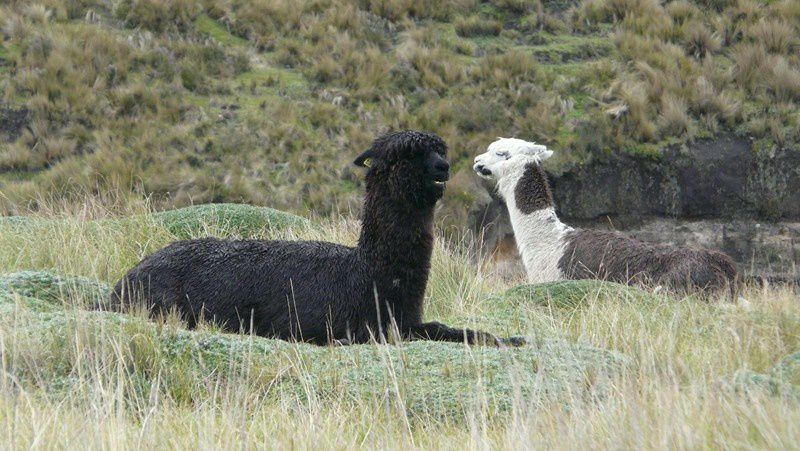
533,190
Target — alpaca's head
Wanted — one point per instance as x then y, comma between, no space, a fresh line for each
506,154
411,167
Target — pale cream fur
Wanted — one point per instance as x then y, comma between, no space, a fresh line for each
540,235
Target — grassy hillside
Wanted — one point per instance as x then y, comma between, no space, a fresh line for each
607,366
268,101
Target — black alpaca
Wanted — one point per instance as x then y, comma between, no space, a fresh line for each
317,291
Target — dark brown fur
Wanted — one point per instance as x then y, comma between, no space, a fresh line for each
533,191
593,254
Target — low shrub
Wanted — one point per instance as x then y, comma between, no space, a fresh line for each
477,26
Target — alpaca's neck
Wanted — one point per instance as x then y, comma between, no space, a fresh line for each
540,235
396,243
393,237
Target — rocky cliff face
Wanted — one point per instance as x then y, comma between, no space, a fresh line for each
717,193
723,178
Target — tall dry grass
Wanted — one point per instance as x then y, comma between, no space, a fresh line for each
672,395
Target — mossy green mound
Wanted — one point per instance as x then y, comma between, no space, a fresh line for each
788,369
747,381
236,219
25,222
783,379
52,288
232,219
572,293
422,378
9,302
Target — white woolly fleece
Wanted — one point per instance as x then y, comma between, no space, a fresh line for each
516,146
540,236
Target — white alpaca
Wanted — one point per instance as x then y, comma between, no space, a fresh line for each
540,235
551,250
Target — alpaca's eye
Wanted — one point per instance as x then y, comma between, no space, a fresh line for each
502,154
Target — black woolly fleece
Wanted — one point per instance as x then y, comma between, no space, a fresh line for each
318,291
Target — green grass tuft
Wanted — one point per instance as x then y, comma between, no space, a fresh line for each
215,30
571,294
236,219
52,288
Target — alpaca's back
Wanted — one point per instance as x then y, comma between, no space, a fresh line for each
289,289
593,254
702,268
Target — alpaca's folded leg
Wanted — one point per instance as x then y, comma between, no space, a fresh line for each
440,332
514,341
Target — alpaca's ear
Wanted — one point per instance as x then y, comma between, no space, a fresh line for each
364,159
545,155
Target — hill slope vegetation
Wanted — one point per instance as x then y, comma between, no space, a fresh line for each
267,102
